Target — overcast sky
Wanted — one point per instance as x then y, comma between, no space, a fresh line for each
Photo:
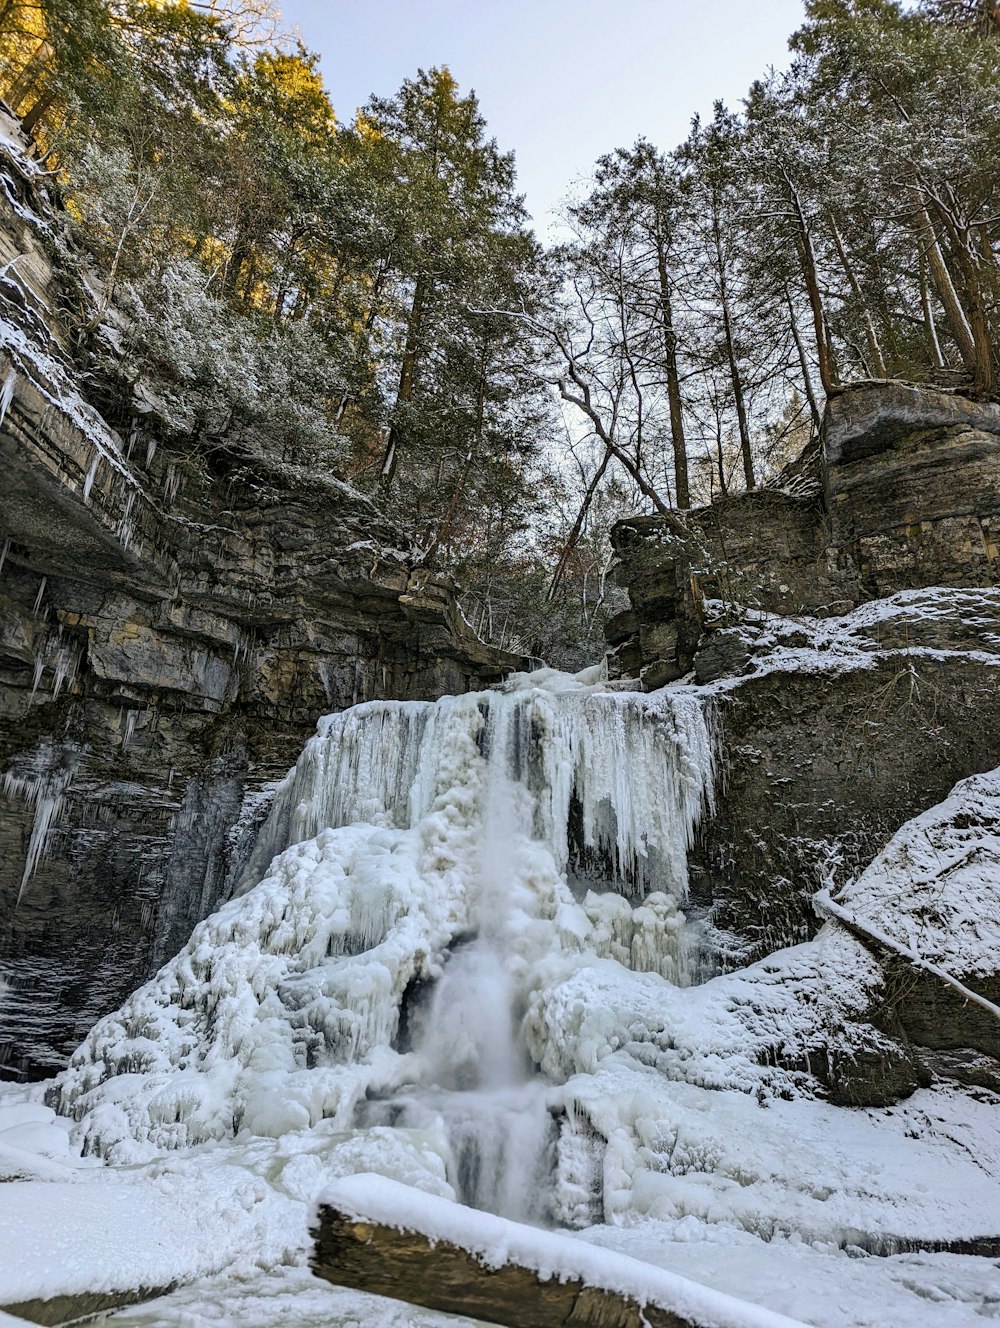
559,81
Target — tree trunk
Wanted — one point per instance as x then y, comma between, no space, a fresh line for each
807,382
407,379
734,369
928,308
584,403
720,460
970,265
581,516
281,294
807,258
366,327
31,71
444,529
874,349
979,322
41,107
682,489
234,268
955,316
437,1274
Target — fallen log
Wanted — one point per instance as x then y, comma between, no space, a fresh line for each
373,1234
57,1310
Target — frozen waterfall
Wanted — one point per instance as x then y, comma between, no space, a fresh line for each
425,870
612,777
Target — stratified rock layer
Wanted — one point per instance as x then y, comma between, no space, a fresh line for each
847,625
903,492
162,661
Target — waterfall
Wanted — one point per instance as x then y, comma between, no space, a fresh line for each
616,776
424,869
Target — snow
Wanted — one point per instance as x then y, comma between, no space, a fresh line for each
69,1236
935,888
467,964
290,1296
52,381
496,1242
878,1180
828,1287
934,623
726,1033
101,1229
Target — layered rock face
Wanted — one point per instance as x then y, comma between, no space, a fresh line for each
162,661
903,492
846,628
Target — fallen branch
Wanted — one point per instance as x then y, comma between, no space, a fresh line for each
826,906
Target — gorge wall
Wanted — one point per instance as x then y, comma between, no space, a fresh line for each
846,626
166,650
162,661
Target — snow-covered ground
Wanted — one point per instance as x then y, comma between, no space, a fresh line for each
435,934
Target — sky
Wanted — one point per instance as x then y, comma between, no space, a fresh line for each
559,81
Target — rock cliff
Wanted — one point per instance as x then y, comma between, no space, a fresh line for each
845,626
902,492
162,659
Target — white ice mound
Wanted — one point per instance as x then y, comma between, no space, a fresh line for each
261,1019
410,824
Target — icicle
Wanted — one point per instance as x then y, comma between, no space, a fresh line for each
323,670
150,452
38,597
4,552
171,482
59,671
618,780
44,788
130,717
37,675
126,523
7,392
88,483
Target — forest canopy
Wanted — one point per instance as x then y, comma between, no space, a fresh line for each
272,284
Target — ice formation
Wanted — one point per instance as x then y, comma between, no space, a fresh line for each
428,863
42,780
633,773
462,957
468,965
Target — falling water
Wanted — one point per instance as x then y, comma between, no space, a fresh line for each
419,869
477,1080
